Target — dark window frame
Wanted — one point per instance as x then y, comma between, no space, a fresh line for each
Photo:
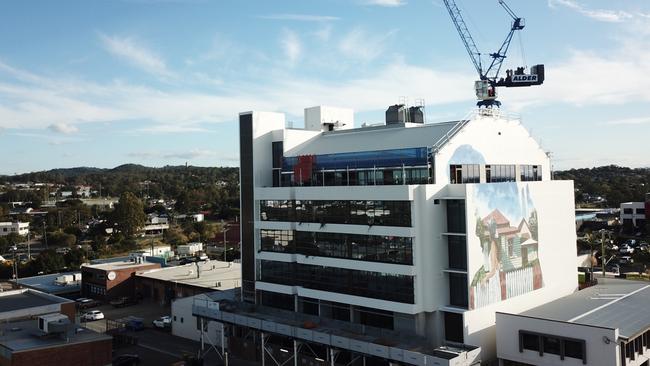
561,339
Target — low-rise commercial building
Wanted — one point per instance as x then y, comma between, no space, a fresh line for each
107,281
634,213
607,324
68,283
189,249
187,325
27,343
28,303
165,284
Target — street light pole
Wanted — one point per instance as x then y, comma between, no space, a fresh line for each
225,248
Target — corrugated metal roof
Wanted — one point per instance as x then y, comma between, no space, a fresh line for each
374,138
613,303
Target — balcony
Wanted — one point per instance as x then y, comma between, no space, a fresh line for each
403,347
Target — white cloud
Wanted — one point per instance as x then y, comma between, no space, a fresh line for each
63,128
361,46
300,17
603,15
324,33
39,105
629,121
386,3
137,55
291,46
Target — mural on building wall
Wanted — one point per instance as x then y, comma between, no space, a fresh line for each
507,229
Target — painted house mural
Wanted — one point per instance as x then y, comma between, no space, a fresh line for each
507,230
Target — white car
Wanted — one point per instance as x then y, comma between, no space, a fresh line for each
93,315
163,322
626,249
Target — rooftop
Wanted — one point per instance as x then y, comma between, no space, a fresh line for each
25,335
46,284
24,299
228,274
613,303
383,137
119,265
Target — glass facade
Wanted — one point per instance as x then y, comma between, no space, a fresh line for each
382,213
456,217
382,167
377,285
372,248
457,252
458,292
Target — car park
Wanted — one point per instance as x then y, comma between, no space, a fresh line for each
123,301
163,322
93,315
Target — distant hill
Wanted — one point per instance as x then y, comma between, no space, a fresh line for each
615,183
205,183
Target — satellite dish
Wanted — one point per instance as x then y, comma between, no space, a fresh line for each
111,276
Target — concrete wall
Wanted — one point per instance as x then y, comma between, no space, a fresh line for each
599,353
554,276
184,324
98,353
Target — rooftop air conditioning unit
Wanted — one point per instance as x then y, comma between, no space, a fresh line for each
53,323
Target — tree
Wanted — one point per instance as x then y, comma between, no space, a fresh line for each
49,261
129,214
74,258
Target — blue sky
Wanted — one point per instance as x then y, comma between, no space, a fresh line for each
160,82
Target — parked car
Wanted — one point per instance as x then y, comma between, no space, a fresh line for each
626,259
93,315
134,323
186,260
123,301
85,303
626,249
163,322
615,268
126,360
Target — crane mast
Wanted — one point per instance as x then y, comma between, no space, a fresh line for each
489,80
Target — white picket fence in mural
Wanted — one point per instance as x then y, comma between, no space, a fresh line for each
519,282
487,293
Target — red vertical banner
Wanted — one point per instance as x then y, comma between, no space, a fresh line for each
302,170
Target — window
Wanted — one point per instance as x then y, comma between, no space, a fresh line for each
573,349
530,173
465,173
457,252
454,327
276,300
458,292
551,345
378,285
628,211
530,341
500,173
558,345
383,213
456,216
640,211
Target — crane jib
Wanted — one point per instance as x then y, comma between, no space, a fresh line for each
524,78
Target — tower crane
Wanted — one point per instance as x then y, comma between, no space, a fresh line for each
489,79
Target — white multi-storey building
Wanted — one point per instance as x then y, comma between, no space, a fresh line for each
389,242
634,213
20,228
